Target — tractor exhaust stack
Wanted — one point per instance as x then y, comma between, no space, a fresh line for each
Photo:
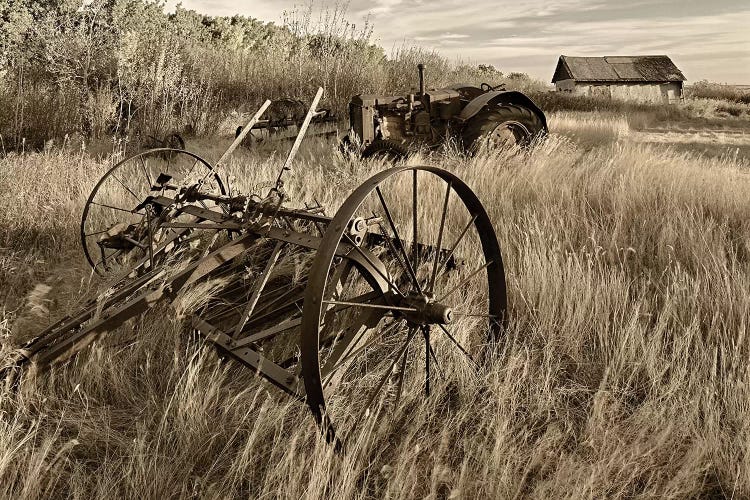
420,67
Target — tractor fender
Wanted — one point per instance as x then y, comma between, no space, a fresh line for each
501,97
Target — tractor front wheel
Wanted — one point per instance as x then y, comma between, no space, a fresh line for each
501,126
385,149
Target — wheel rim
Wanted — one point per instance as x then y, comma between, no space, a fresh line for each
509,133
116,203
352,349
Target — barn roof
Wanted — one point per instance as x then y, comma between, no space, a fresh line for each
617,69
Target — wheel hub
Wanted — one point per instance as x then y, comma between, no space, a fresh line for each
508,133
428,311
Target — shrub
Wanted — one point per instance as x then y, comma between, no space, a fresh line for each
730,108
710,90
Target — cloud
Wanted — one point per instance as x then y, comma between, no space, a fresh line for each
441,38
385,6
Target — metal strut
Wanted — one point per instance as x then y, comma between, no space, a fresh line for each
302,131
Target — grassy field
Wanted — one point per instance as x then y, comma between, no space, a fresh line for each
625,371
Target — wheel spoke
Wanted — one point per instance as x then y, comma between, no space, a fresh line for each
439,243
374,266
458,345
118,208
455,245
398,239
346,342
127,188
415,247
395,252
372,306
387,374
475,315
464,281
388,330
401,374
145,172
191,169
426,335
437,364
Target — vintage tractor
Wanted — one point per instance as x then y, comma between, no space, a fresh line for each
391,126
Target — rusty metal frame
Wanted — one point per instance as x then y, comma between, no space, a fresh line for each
266,224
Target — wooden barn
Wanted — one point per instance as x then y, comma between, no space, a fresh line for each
635,78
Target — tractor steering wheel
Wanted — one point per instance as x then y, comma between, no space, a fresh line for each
486,87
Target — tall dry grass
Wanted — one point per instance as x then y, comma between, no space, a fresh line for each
589,129
624,371
694,111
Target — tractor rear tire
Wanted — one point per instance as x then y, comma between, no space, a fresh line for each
385,149
500,125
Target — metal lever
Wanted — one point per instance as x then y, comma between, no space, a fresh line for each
300,135
237,140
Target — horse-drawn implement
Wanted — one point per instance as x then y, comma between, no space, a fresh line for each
283,121
402,285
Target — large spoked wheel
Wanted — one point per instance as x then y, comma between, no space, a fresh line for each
120,225
405,292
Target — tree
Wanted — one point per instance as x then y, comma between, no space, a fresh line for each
78,49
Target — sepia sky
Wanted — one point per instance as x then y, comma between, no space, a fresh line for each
706,39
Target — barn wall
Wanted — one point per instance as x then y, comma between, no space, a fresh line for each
673,91
565,85
646,92
643,92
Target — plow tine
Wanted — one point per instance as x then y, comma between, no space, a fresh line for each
60,351
72,322
54,348
269,332
259,285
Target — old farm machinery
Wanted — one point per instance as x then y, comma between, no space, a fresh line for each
404,284
283,121
391,126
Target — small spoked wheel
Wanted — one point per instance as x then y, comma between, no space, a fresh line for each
121,218
406,291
